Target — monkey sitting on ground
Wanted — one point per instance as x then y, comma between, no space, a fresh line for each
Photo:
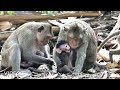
112,52
63,52
82,39
27,42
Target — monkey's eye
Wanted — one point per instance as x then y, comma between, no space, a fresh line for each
40,29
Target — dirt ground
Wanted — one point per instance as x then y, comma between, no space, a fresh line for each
113,73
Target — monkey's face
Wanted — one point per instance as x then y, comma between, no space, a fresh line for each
64,47
74,36
74,42
44,34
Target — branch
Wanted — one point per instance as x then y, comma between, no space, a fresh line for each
117,25
45,17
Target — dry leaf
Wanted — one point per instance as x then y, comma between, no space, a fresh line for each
112,65
104,54
114,75
4,25
117,71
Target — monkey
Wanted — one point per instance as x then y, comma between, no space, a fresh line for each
33,67
82,39
64,53
27,42
111,52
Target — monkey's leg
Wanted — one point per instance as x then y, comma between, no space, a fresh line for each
44,55
113,52
73,57
39,59
47,51
70,65
15,57
71,62
26,64
47,54
91,56
80,59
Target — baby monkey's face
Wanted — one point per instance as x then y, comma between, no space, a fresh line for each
63,47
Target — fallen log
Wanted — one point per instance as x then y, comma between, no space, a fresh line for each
5,34
117,26
45,17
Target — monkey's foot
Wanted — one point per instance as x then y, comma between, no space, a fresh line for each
75,73
91,71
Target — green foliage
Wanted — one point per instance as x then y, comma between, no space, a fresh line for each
7,12
11,12
1,12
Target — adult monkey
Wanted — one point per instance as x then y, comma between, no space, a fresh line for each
81,38
27,42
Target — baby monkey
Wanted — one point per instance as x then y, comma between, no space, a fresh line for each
64,53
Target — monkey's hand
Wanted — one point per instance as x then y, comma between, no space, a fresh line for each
50,61
71,68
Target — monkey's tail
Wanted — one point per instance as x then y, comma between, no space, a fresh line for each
110,36
4,69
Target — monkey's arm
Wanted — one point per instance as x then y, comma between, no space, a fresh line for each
47,50
40,59
81,55
56,58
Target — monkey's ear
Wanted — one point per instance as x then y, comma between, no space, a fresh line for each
40,29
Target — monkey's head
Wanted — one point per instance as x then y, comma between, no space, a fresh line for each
62,46
74,34
44,33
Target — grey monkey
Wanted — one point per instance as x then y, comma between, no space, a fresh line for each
27,42
82,39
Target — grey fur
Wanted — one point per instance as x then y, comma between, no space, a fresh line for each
23,43
86,52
